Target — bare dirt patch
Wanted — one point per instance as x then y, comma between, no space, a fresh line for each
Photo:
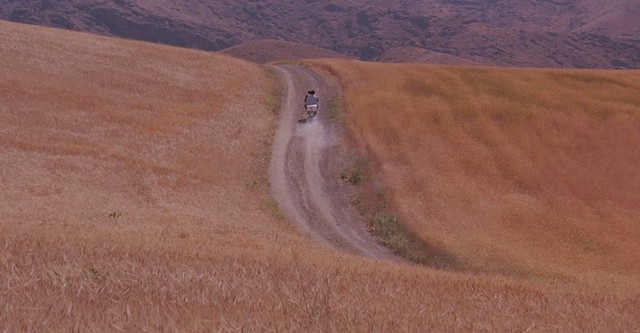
305,171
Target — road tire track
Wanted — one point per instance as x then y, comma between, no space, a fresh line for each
304,181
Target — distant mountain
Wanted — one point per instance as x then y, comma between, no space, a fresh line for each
538,33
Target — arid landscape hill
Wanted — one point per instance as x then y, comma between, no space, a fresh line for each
562,33
134,194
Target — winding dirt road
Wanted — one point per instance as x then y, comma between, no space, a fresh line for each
304,178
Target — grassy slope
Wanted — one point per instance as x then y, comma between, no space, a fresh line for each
133,198
95,126
530,172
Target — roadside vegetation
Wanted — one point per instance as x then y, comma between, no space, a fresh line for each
370,200
134,199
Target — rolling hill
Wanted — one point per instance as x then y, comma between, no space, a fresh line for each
135,196
528,172
567,33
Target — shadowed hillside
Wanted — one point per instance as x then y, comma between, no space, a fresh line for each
529,172
265,51
133,198
539,33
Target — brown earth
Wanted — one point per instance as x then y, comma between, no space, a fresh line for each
264,51
305,169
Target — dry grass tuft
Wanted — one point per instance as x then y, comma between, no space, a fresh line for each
53,285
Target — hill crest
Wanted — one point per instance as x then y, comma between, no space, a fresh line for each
264,51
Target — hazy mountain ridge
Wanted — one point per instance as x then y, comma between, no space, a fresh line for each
559,33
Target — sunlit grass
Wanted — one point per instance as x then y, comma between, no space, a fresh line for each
513,169
134,198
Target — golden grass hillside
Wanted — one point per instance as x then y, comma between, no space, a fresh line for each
134,199
529,172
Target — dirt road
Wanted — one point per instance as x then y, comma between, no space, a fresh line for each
305,180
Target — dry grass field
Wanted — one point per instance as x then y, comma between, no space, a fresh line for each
521,171
134,198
